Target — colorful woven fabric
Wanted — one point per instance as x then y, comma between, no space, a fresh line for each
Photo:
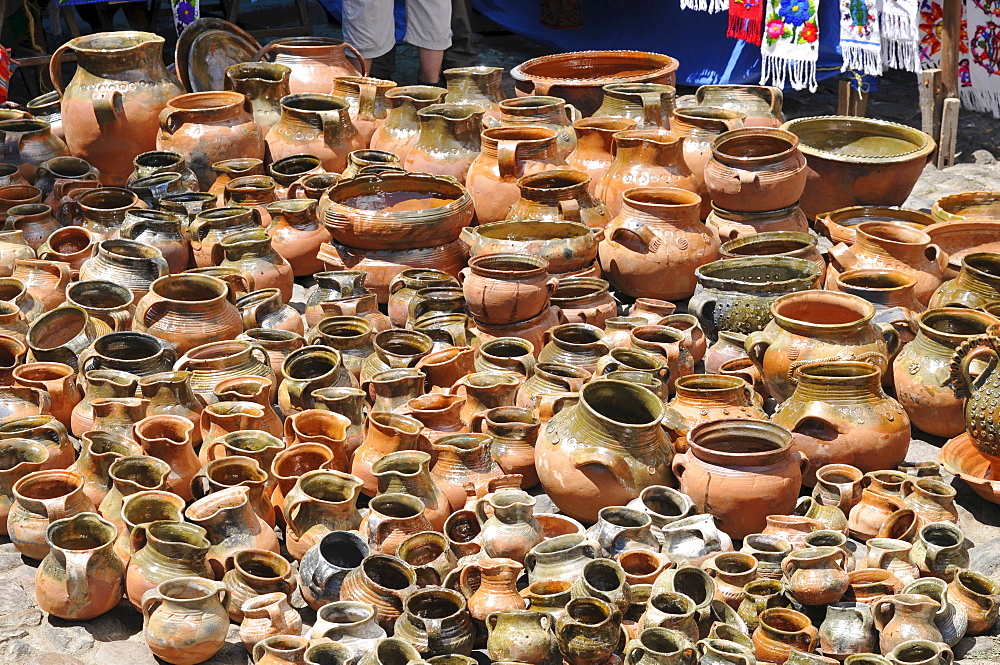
6,69
901,34
186,12
983,62
746,20
791,44
710,6
860,37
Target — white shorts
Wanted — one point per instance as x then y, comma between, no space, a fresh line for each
369,25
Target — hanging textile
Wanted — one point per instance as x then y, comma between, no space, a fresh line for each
710,6
746,21
860,38
901,34
186,12
982,65
6,69
791,44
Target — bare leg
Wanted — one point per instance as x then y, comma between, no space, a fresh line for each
430,65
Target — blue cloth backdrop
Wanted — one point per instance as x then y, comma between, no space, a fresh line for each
697,39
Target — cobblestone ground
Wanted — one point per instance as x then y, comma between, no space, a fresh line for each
28,635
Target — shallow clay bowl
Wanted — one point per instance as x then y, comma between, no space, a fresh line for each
838,225
958,239
960,457
858,161
578,76
967,207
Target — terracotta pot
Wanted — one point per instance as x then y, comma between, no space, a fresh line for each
325,565
351,624
921,651
588,632
541,111
593,154
149,190
382,581
231,523
880,168
476,85
40,498
979,415
567,474
314,61
976,593
264,84
251,251
188,311
448,140
314,124
47,107
869,585
207,127
265,617
508,153
650,105
156,162
700,126
558,195
930,500
463,459
645,156
502,289
904,617
755,170
254,573
36,224
497,591
422,210
871,513
711,449
12,196
29,143
761,103
880,429
127,262
184,620
835,325
169,438
113,58
21,457
58,380
815,575
705,397
366,98
780,631
951,619
436,622
939,550
838,485
648,216
163,551
13,246
401,128
847,629
45,281
62,335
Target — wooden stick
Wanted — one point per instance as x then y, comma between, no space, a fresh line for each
949,133
951,37
931,97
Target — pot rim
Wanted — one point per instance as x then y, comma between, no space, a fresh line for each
729,159
923,147
808,271
522,72
761,428
864,310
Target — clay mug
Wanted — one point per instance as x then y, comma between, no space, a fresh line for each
921,652
660,646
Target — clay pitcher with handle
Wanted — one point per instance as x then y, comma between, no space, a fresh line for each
905,616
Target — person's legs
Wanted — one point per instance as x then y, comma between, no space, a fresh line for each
369,27
428,27
462,52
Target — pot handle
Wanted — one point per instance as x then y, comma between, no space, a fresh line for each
741,180
108,106
77,587
679,465
366,99
463,579
148,599
702,306
481,508
491,621
55,68
549,404
803,462
634,655
594,456
643,233
963,383
476,423
137,539
940,257
267,48
12,146
947,654
507,158
573,113
843,256
756,347
652,109
879,613
570,209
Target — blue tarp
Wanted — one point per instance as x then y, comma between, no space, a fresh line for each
697,39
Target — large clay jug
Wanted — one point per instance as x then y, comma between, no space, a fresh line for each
317,124
321,501
402,128
594,149
648,157
18,458
185,620
41,498
408,471
232,525
903,617
112,104
448,142
315,61
162,551
613,461
81,578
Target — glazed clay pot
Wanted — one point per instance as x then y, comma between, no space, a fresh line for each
401,128
254,573
700,125
80,578
188,310
755,170
508,153
584,300
296,234
558,195
648,104
383,581
662,225
35,223
976,593
818,325
593,153
110,130
735,295
567,246
252,252
976,286
834,398
264,84
185,621
448,142
207,127
939,550
705,397
386,433
893,246
815,575
761,103
40,498
542,111
502,289
979,412
585,474
314,124
520,636
781,630
266,616
366,99
314,61
922,369
645,156
904,617
716,450
29,143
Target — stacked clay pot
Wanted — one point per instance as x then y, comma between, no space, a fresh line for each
507,292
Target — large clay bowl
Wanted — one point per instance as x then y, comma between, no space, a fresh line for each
958,239
567,246
394,211
858,161
838,225
579,76
967,207
960,457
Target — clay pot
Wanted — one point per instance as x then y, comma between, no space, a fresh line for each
541,111
815,575
567,246
869,585
512,530
232,525
12,196
314,124
13,246
40,498
497,591
463,459
503,289
882,168
649,215
210,226
253,573
976,593
143,508
563,471
322,501
401,128
755,170
561,558
951,619
382,581
351,624
588,632
921,651
264,84
392,518
80,578
436,622
405,286
58,380
35,222
780,630
892,555
905,617
448,140
314,61
266,616
706,397
758,596
558,195
18,458
834,324
163,551
251,251
883,245
29,143
45,281
593,153
861,406
520,636
188,311
931,501
306,370
184,620
711,448
940,550
645,156
847,629
649,105
113,58
508,153
761,103
476,85
325,565
296,234
366,97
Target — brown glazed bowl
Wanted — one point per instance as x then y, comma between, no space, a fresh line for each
578,77
858,161
967,207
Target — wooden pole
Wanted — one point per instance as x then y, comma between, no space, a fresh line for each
951,37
